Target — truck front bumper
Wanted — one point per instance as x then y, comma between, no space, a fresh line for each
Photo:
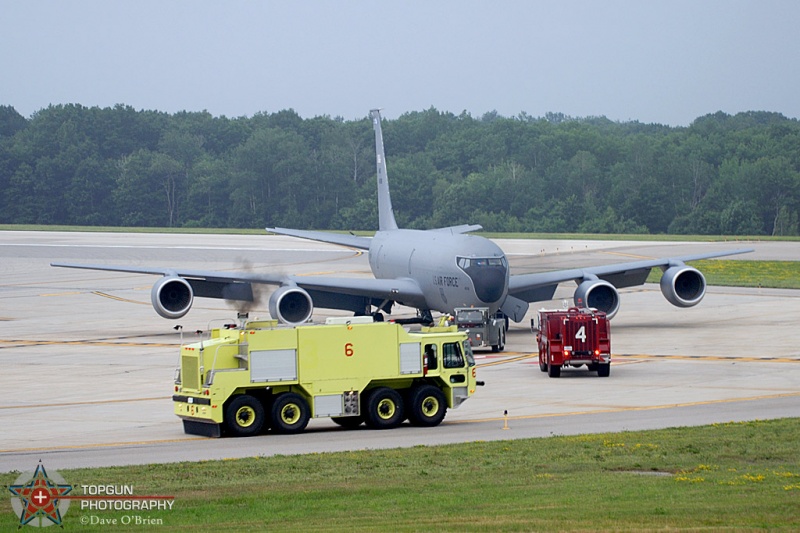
197,408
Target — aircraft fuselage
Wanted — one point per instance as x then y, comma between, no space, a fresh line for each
453,270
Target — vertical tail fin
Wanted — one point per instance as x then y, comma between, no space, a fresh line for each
386,219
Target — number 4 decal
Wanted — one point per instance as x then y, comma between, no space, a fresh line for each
581,334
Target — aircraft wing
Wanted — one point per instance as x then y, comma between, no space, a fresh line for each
326,291
353,241
205,275
542,286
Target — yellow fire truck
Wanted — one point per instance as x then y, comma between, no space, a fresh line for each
251,377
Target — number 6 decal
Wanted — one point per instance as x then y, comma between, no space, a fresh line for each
348,349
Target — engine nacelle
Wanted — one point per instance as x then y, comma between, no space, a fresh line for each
291,305
598,294
683,286
172,297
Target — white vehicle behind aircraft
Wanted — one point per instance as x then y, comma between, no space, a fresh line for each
429,270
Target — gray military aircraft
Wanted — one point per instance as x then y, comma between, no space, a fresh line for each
429,270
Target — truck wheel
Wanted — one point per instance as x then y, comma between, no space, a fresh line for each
384,408
428,406
289,413
349,422
244,416
553,371
603,370
502,345
542,364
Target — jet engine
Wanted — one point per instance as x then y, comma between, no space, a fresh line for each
683,286
598,294
291,305
172,296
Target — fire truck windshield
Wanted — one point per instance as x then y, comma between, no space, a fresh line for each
468,352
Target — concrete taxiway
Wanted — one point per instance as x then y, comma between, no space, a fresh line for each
88,365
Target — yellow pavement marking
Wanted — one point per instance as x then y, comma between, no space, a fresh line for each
452,422
101,445
634,408
92,402
73,293
511,359
22,342
637,358
633,256
733,358
119,298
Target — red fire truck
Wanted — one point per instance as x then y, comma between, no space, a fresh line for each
573,337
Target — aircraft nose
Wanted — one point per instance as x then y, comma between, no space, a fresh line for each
489,282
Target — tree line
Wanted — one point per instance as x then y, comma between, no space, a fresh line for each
723,174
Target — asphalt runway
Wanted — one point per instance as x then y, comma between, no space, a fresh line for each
89,365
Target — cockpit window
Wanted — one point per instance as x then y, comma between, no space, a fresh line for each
467,262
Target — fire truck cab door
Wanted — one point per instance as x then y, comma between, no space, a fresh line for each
456,372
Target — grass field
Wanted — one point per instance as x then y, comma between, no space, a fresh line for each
735,476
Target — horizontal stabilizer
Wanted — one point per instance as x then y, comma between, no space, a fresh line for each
464,228
353,241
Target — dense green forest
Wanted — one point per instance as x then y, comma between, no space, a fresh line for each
723,174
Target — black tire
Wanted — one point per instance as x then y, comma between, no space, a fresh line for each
384,409
553,371
604,370
542,362
349,422
244,416
427,406
290,413
502,345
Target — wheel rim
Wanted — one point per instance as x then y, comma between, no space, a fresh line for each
245,416
386,409
290,414
430,406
